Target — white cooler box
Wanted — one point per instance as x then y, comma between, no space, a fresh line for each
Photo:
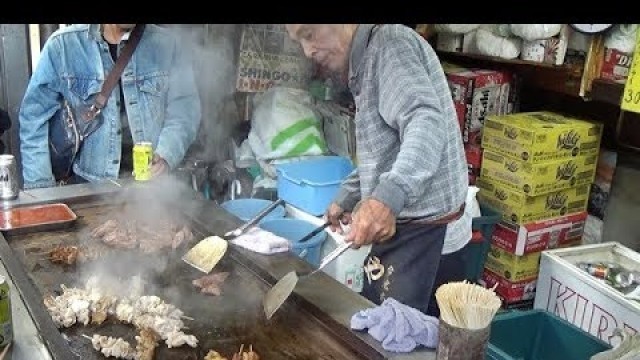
347,268
582,299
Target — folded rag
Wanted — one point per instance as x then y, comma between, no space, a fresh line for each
399,327
262,241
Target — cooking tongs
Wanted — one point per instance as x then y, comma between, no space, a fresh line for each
246,226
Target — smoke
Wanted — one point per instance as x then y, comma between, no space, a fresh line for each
214,52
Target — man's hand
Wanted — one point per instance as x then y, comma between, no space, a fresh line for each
159,166
372,222
335,215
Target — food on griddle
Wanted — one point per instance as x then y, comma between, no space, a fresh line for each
214,355
148,237
64,254
146,345
77,305
113,347
211,284
69,254
246,355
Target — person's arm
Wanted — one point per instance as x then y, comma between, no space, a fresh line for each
409,103
40,102
349,193
183,110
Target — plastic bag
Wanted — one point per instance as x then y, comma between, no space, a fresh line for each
455,28
490,44
532,32
284,125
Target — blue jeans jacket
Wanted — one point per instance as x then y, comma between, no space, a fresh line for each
161,100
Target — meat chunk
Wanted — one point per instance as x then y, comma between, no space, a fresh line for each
211,284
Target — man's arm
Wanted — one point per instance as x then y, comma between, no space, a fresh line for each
349,193
409,104
183,111
40,102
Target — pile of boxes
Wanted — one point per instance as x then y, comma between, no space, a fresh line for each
537,169
478,93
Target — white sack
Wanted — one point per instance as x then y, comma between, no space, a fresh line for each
490,44
531,32
455,28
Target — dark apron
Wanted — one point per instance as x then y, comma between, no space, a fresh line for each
405,266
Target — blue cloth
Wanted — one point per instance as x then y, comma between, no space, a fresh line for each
400,328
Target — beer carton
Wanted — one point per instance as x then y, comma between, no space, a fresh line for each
538,179
536,137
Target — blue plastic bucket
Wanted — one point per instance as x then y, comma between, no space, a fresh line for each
311,184
294,230
247,209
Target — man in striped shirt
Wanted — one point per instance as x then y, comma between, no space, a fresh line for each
411,178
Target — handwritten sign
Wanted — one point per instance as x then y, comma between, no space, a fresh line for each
631,95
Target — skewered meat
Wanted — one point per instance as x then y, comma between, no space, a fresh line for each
64,254
211,284
115,347
178,338
102,230
214,355
246,355
100,309
183,235
146,345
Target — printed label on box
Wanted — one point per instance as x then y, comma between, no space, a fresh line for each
512,267
509,291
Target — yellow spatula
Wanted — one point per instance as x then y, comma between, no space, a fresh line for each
206,254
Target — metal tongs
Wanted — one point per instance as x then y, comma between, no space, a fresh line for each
246,226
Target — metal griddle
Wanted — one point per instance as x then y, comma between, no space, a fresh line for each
298,331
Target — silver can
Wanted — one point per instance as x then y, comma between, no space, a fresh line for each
8,177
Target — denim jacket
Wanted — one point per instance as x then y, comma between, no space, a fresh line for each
161,100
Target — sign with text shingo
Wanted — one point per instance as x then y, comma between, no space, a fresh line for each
268,57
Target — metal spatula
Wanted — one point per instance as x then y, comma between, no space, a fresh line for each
278,294
207,252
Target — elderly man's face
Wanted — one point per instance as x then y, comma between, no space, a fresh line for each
326,44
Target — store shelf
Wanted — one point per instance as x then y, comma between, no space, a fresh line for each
606,91
565,79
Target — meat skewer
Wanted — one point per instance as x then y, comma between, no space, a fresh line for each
111,346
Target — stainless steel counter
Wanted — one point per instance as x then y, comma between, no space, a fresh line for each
326,294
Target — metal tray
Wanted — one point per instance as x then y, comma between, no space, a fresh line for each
47,217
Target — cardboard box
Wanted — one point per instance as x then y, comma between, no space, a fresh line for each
539,235
512,267
510,291
476,94
615,65
584,300
454,42
536,137
268,57
520,209
473,154
538,179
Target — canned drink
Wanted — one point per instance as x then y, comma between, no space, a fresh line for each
142,155
6,324
8,177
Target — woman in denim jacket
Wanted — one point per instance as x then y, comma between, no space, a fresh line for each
156,101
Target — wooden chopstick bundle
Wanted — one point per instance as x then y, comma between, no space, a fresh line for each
467,305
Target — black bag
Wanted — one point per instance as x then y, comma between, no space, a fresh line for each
66,135
70,126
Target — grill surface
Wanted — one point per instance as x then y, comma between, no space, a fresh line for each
221,323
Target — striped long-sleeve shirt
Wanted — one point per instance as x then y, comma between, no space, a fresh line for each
408,141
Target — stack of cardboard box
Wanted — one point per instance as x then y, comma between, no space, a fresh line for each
537,170
478,93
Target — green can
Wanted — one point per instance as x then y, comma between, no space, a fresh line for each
6,324
142,156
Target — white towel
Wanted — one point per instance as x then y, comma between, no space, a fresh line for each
262,241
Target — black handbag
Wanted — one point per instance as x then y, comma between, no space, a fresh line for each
69,126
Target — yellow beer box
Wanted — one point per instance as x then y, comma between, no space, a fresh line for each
536,137
520,209
512,267
538,179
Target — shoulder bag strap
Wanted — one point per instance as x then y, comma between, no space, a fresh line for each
114,75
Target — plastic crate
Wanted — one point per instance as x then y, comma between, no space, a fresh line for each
311,184
539,335
294,230
476,250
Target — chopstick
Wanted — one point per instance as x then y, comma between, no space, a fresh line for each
4,352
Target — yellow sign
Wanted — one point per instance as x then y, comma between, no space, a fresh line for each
631,95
